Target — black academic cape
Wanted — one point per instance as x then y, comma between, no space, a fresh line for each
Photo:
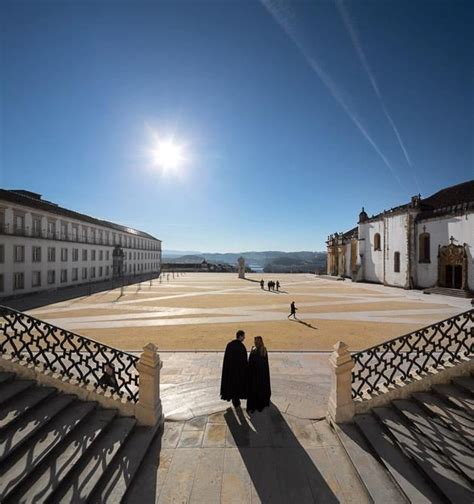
234,372
259,381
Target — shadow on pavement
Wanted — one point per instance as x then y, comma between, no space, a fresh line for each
280,468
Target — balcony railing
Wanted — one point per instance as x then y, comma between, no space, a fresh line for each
6,229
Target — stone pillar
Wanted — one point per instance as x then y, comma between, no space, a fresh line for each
149,409
341,405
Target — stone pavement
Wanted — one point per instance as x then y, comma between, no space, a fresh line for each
190,383
233,457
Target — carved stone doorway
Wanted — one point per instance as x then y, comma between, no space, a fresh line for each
452,266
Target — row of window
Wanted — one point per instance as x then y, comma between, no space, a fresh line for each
36,254
423,247
91,273
67,231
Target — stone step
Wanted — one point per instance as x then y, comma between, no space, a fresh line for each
6,377
442,438
63,459
452,417
21,403
88,472
446,291
12,388
465,382
20,465
123,468
377,481
31,422
432,463
456,396
410,481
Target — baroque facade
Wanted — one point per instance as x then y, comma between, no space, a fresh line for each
44,246
426,243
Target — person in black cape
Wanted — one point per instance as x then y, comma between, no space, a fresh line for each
259,392
234,371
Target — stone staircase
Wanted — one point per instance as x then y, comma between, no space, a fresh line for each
57,448
446,291
417,450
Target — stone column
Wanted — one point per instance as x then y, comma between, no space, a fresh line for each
149,409
341,405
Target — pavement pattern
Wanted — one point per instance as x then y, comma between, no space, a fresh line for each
233,457
202,311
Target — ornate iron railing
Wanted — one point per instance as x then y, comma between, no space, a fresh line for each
403,359
51,348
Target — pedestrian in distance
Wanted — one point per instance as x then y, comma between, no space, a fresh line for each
292,310
278,285
235,371
259,391
269,284
262,284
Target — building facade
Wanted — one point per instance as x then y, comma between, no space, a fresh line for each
44,246
422,244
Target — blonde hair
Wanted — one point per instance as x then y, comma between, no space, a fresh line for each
260,346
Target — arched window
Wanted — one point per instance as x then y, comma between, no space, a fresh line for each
424,248
377,241
396,262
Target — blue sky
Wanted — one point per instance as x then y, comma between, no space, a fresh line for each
292,115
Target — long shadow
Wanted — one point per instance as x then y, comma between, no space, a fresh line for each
280,468
36,300
307,324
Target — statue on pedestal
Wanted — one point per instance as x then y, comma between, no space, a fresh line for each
241,261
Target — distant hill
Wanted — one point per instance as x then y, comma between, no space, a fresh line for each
271,261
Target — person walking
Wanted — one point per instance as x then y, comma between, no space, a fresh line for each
278,285
235,371
259,391
292,310
262,284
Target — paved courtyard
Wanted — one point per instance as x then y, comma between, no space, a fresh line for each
202,311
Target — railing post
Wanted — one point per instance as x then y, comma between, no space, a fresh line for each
341,404
149,409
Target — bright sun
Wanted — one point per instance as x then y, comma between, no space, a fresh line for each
167,154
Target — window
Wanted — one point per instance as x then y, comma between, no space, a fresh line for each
84,273
101,270
396,262
19,253
107,255
75,255
36,254
63,275
63,230
64,254
19,225
93,272
424,248
107,271
377,241
101,255
75,233
107,237
101,237
1,283
51,229
84,234
75,274
129,256
114,239
93,235
18,281
51,276
84,254
92,255
36,226
51,254
36,279
2,253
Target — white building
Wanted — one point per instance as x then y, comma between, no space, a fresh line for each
423,244
44,246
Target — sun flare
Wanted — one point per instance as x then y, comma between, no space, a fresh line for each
167,154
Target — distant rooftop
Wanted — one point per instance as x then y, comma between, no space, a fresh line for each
35,200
